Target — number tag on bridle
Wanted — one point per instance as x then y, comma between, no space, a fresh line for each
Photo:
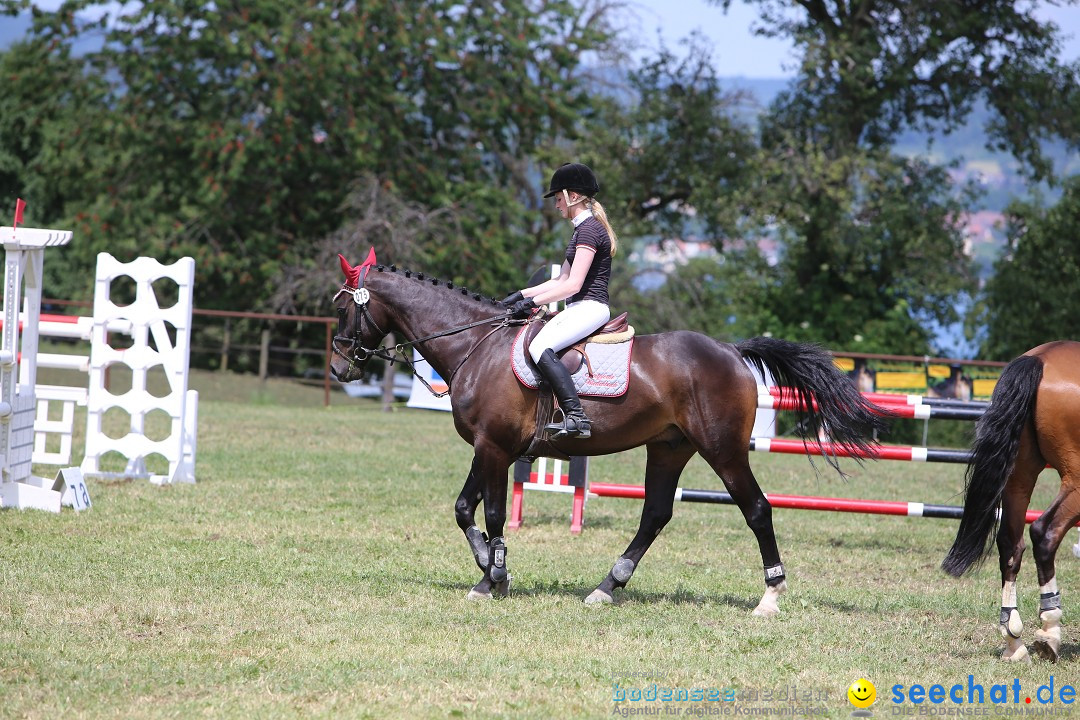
360,296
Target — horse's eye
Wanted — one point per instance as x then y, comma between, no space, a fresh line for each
341,313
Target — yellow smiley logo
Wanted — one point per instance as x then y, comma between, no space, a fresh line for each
862,693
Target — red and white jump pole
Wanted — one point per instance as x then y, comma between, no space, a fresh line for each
903,406
801,502
884,452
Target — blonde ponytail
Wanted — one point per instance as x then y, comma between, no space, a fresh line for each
599,214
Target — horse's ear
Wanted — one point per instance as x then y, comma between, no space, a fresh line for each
370,261
352,274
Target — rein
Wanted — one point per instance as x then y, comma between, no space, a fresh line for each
361,354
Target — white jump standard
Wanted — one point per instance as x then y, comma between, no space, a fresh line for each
24,250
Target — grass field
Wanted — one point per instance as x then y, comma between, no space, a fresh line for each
315,570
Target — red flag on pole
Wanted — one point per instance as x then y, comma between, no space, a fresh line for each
19,205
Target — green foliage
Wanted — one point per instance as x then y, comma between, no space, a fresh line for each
232,133
1034,294
874,68
673,152
872,246
717,296
468,244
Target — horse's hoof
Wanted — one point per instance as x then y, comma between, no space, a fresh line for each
599,597
769,605
502,589
1046,647
1020,654
476,595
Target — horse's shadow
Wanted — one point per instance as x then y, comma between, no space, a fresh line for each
539,589
682,597
1067,653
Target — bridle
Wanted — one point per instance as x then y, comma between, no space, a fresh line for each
358,355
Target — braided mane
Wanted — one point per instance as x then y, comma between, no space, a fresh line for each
435,282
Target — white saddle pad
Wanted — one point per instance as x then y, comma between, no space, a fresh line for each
610,368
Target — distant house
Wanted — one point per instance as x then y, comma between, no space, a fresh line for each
666,255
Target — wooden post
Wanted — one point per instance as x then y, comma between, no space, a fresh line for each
264,354
225,344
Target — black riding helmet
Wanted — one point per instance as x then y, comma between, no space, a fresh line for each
576,177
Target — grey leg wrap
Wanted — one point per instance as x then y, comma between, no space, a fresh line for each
478,542
1006,625
774,575
498,560
1049,601
623,569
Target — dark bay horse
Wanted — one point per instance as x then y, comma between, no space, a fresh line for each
688,394
1033,420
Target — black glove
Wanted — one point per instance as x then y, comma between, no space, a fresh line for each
522,308
512,298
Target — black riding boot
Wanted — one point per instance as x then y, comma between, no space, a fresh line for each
574,423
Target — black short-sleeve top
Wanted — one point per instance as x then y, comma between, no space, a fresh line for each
591,233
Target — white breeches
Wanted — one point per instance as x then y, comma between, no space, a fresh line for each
577,321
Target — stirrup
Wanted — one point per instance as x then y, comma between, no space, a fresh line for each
572,426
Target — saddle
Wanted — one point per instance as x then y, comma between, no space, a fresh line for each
615,330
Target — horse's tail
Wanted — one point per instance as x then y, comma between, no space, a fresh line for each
997,442
841,411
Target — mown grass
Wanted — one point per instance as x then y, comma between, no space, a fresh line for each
315,570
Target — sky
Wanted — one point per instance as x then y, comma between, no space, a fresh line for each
738,52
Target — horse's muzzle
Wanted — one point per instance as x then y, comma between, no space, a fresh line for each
347,369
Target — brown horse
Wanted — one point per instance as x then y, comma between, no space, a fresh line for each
1033,420
688,394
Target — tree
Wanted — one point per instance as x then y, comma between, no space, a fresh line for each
53,139
401,232
676,152
872,68
872,245
232,132
717,296
1034,295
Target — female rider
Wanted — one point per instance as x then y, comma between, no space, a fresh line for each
583,279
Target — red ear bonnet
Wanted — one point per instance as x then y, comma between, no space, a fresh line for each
352,274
